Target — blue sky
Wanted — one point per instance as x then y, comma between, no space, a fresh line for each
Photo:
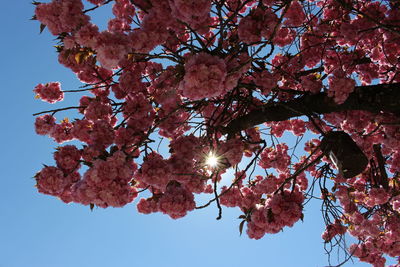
40,231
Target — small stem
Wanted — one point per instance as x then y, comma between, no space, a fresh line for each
56,110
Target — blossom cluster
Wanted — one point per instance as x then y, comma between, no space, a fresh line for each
49,92
204,77
282,209
189,74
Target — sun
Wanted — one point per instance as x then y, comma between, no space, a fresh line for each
212,160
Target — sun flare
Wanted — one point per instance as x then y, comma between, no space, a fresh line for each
211,160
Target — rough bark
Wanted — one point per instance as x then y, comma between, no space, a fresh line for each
373,98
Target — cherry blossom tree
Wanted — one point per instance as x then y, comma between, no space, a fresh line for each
221,83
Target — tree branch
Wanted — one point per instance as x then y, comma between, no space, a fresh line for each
373,98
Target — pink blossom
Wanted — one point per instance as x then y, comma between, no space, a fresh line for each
124,12
254,232
102,134
340,88
49,92
204,77
61,15
187,147
97,110
44,124
275,158
67,158
96,2
311,84
236,67
332,230
284,36
248,198
377,196
173,125
62,132
51,181
298,127
117,195
278,128
231,197
90,153
249,30
87,35
111,49
107,182
81,130
147,206
230,152
266,81
154,171
176,201
126,137
267,185
193,12
295,15
280,210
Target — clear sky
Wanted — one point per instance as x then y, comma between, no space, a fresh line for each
40,231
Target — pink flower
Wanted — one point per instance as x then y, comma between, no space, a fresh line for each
332,230
377,196
254,232
204,77
107,182
117,195
81,130
340,88
155,171
311,84
147,206
231,197
284,36
280,210
87,35
275,158
266,81
97,110
278,128
61,15
51,181
298,127
44,124
67,158
196,13
49,92
62,132
111,48
249,30
126,137
231,152
295,15
257,24
102,134
176,201
173,125
96,2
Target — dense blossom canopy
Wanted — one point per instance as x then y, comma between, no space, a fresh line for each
227,79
